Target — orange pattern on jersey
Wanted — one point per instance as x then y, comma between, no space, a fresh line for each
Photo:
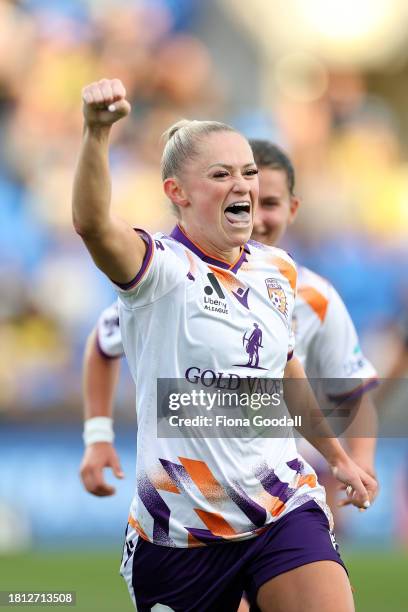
136,525
162,482
204,479
216,523
272,504
193,264
193,542
315,299
227,279
308,479
286,269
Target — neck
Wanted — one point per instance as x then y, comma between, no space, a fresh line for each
209,248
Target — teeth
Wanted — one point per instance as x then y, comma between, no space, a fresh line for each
238,207
239,213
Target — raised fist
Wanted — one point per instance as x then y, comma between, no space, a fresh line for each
104,102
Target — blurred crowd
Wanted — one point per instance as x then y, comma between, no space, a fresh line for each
352,175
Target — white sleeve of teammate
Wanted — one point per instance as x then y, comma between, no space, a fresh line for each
165,265
108,334
337,353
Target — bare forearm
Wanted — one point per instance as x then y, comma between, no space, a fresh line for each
92,183
301,401
100,378
115,248
361,436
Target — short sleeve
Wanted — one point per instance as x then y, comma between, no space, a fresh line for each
337,353
164,267
108,336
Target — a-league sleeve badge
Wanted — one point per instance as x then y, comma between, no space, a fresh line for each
277,295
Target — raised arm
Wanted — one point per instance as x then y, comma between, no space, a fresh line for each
113,244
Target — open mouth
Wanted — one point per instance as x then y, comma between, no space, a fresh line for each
239,212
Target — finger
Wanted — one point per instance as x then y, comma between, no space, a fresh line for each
116,468
87,96
371,486
106,89
97,94
344,502
118,89
103,490
120,107
94,482
359,495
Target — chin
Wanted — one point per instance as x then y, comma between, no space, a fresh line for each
241,237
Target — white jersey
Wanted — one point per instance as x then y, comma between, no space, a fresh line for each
191,317
108,336
326,340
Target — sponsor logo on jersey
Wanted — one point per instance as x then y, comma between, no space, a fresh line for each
277,295
214,298
355,364
208,377
252,342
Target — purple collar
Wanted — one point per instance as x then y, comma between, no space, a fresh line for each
179,235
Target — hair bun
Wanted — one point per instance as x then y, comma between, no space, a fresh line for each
173,129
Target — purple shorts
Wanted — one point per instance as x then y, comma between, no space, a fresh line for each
214,577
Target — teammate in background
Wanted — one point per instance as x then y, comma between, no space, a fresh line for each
326,341
398,367
265,514
100,377
327,344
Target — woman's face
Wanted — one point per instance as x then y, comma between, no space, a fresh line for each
277,208
220,189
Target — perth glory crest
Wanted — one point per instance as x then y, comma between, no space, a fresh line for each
277,295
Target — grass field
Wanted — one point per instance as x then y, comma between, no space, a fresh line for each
380,579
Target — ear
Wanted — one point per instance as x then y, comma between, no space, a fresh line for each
175,192
294,207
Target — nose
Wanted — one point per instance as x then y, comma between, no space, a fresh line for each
241,185
259,225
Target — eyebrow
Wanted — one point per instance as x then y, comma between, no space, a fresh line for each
228,167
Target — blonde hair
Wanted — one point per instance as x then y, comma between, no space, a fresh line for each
182,140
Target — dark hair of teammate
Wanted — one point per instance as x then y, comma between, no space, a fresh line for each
268,155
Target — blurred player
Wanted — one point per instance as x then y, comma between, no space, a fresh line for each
326,340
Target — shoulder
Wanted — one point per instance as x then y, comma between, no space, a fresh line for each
264,250
273,256
315,291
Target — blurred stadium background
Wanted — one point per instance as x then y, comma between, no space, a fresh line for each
327,79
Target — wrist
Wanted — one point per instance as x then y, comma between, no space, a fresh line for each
365,462
335,454
97,131
98,429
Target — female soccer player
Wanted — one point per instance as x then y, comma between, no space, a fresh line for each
211,516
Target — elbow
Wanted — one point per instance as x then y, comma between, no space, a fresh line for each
78,226
84,230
